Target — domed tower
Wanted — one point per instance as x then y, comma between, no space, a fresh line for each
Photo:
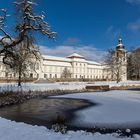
121,60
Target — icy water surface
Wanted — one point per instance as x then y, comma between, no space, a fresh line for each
45,111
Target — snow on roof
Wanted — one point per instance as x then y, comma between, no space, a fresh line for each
56,58
68,59
93,63
75,55
51,63
120,44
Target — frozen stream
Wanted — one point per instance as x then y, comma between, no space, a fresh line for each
115,109
112,110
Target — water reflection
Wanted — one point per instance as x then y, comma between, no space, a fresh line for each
45,111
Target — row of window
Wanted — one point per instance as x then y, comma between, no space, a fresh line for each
94,71
50,76
54,69
76,76
80,64
89,77
32,66
14,75
58,69
82,70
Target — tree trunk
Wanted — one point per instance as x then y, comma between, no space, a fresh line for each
118,76
118,80
19,78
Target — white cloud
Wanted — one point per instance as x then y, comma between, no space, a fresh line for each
134,2
89,52
134,26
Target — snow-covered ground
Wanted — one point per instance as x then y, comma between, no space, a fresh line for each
114,107
117,108
10,130
42,87
62,86
122,83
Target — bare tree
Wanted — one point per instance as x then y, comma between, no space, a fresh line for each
66,73
23,63
134,64
27,24
114,64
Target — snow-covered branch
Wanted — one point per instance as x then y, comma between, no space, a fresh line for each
28,22
2,17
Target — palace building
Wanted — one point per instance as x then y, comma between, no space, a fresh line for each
75,66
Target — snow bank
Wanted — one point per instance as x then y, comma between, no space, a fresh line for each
62,86
10,130
42,87
122,83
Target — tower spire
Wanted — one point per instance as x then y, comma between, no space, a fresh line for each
120,40
121,61
120,43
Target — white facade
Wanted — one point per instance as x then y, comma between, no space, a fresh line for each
79,67
53,67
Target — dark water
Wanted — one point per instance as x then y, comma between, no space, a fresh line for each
134,89
45,111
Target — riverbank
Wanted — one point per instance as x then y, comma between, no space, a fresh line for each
16,97
11,94
22,131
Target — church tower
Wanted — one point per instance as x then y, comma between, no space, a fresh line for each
121,56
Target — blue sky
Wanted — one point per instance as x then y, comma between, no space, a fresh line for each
89,27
